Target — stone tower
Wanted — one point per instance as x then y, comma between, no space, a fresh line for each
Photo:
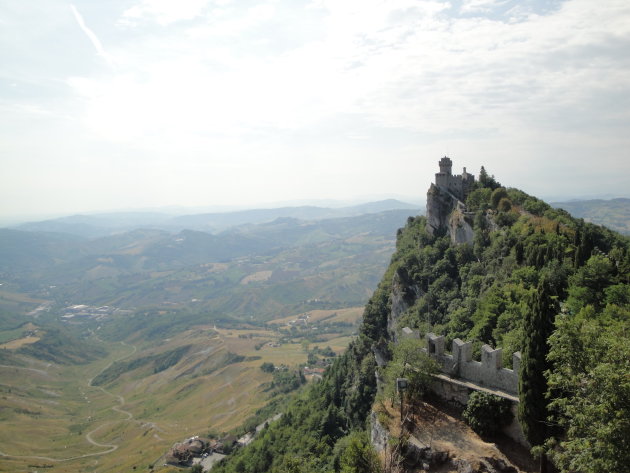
446,165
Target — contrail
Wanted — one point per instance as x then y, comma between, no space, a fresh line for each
93,38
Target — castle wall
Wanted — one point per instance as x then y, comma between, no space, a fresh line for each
459,185
462,375
442,180
488,373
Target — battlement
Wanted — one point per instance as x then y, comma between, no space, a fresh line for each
488,373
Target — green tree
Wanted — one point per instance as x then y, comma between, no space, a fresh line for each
498,194
504,205
409,361
589,282
487,414
486,180
267,367
538,326
590,390
356,454
311,359
478,199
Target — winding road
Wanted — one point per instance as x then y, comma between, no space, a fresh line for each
117,408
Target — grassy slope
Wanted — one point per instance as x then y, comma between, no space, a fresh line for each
48,409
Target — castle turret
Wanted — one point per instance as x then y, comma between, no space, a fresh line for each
446,165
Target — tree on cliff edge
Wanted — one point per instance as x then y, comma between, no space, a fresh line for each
538,326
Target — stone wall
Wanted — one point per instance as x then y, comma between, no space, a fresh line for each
488,372
462,375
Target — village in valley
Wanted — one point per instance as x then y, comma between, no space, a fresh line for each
207,451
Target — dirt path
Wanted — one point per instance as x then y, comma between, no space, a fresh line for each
35,370
120,399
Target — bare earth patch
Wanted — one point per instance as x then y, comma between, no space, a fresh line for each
443,432
257,277
20,342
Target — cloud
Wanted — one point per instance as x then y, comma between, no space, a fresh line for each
91,36
163,12
474,6
398,64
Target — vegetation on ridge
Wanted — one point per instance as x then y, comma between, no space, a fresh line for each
576,275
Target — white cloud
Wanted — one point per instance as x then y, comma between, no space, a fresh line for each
399,65
475,6
91,36
163,12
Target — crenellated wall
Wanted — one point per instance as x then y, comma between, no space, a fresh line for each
462,375
488,373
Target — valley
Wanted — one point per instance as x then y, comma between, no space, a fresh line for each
115,348
65,418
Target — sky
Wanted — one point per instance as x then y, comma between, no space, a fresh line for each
136,104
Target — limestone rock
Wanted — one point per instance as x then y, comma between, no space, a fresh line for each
400,303
446,214
379,435
440,204
460,226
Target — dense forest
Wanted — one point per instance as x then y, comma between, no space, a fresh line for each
533,280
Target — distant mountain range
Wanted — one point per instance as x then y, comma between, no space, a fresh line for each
292,264
100,225
614,213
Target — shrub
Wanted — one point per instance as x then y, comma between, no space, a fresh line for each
486,413
506,219
479,199
267,367
497,195
504,205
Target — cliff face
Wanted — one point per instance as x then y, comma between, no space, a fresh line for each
402,296
447,214
439,206
460,226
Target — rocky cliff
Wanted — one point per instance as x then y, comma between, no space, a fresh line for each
403,295
447,215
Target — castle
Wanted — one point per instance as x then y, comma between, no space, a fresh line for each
445,203
459,186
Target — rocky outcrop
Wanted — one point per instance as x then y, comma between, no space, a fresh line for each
379,435
460,226
403,296
452,449
440,204
446,214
